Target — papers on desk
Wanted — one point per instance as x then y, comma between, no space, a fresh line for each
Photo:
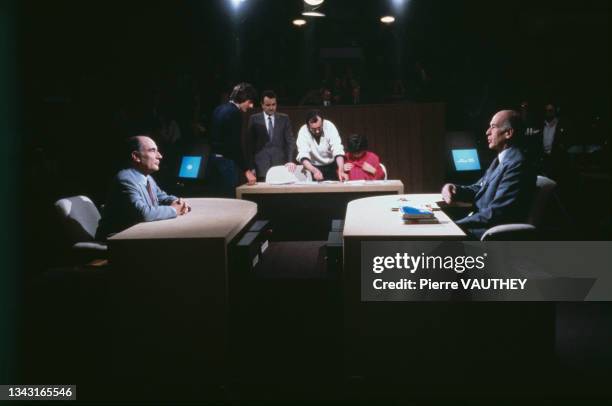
280,182
358,182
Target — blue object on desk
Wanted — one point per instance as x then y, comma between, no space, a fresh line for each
410,212
466,159
190,167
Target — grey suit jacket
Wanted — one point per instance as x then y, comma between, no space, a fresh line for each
264,153
129,203
503,195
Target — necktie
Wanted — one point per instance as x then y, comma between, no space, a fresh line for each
151,195
494,164
270,127
491,169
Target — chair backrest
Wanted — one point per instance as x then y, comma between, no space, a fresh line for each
80,217
384,168
278,175
544,189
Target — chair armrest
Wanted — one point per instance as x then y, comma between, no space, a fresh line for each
509,232
90,246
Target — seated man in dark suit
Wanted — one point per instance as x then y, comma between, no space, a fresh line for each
270,138
503,195
134,196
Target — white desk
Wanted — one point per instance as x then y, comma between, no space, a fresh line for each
171,294
209,219
390,186
373,217
305,211
423,336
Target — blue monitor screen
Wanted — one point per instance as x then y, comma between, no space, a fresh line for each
466,159
190,167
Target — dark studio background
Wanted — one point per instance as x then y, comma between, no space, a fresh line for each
79,76
92,74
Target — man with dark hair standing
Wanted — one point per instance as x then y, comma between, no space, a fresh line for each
227,160
134,196
503,195
270,138
320,148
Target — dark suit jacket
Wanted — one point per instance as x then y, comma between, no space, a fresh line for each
501,196
226,134
264,153
555,164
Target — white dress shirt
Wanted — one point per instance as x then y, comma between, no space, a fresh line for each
548,138
325,151
268,121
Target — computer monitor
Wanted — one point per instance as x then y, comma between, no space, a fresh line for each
466,160
190,167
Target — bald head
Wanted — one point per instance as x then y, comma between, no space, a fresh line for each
504,130
144,155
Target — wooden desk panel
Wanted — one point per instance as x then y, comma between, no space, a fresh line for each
305,211
171,295
422,336
390,186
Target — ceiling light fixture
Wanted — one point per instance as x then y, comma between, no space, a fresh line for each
313,14
298,22
311,7
387,19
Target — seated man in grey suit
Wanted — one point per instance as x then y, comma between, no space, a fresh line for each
134,196
270,138
504,194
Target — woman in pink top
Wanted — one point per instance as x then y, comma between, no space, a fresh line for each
361,164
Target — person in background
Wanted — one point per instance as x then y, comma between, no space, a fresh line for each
270,138
361,164
227,158
320,148
553,145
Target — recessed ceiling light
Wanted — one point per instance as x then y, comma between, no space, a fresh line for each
299,22
313,2
313,14
387,19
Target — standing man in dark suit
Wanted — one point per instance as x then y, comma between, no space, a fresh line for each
227,159
553,145
270,138
504,194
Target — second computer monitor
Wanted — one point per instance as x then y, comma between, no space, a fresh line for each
466,160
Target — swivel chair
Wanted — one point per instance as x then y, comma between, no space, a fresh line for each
528,230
